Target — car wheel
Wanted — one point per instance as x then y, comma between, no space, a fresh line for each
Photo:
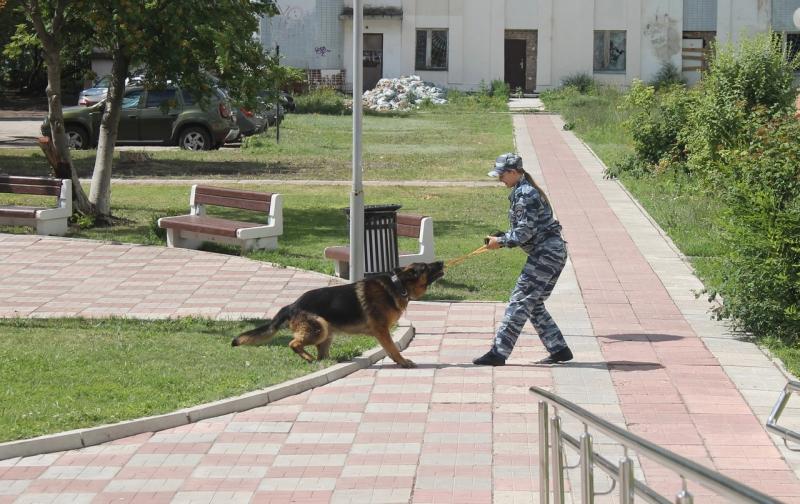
77,137
194,138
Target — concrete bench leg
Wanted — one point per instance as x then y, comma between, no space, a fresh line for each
54,227
342,269
269,243
175,240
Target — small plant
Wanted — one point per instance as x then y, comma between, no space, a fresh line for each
519,93
500,89
83,221
583,82
668,75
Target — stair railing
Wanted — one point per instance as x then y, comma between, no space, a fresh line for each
772,422
551,461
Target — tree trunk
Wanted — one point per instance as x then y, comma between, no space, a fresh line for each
52,58
100,195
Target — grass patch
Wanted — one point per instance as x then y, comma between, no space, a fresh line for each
61,374
447,142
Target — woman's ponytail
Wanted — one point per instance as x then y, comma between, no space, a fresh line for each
536,186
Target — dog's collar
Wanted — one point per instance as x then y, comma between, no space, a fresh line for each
400,287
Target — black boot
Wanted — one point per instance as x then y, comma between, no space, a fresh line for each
563,355
490,358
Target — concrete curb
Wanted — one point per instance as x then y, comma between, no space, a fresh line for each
81,438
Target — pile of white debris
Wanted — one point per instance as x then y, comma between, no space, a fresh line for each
402,94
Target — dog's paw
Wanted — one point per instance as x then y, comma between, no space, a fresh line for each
408,364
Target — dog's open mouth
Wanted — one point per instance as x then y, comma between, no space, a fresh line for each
436,272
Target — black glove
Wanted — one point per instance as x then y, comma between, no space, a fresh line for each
496,234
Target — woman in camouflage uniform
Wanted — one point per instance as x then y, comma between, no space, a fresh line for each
535,231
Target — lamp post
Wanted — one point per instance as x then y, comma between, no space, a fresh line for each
357,193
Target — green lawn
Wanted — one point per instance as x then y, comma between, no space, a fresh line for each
452,142
61,374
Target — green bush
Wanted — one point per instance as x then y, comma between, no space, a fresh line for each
667,76
583,82
321,101
761,280
500,89
480,100
655,121
755,74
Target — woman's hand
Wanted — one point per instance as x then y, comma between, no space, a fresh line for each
492,243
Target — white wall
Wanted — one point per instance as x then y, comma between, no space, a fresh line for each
738,18
662,32
565,35
392,45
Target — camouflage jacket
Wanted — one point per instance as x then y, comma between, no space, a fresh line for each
530,219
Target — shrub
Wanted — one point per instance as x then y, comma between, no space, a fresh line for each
321,101
583,82
482,99
655,121
756,75
631,164
761,280
667,76
500,89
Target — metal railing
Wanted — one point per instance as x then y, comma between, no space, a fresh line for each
772,422
551,461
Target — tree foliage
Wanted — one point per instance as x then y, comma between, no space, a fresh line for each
192,43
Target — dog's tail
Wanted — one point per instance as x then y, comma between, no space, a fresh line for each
262,334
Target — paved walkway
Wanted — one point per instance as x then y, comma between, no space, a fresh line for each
648,358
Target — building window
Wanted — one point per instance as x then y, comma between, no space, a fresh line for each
609,51
431,50
792,44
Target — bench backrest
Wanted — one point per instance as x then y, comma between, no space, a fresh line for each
409,225
232,198
30,185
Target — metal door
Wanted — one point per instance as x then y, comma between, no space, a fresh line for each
373,59
515,63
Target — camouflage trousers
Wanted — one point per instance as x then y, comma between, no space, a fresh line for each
534,285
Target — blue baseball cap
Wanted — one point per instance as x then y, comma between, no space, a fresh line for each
506,162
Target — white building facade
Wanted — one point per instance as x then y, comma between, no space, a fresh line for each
531,44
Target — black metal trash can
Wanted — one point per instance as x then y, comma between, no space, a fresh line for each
380,238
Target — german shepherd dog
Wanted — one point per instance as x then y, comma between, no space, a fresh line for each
370,306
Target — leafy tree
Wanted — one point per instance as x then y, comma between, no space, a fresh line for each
183,42
54,22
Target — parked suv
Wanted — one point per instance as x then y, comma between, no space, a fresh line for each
168,116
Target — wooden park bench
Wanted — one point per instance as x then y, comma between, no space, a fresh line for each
408,225
190,231
48,220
